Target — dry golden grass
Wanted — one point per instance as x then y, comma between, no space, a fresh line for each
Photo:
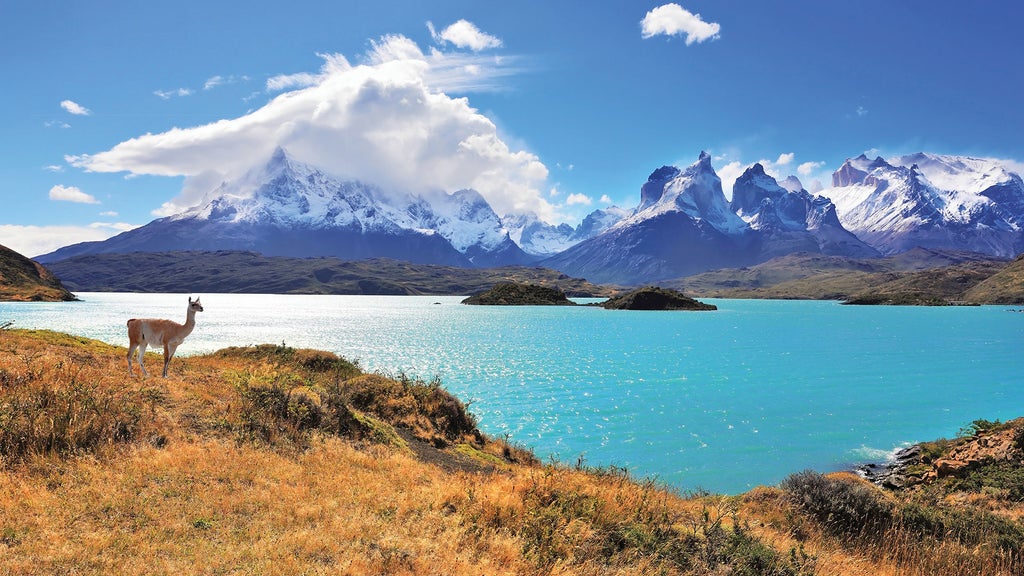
269,460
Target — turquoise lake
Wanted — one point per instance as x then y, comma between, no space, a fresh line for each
721,401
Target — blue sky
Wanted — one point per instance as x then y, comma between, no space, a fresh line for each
117,112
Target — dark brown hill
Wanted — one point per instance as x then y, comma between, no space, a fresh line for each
253,273
22,279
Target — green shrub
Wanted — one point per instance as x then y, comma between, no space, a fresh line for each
1007,477
980,426
968,526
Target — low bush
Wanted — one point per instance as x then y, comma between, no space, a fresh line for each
845,507
280,403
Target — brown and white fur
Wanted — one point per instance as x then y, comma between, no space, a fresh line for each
151,331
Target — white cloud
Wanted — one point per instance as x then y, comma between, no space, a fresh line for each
168,94
34,241
606,199
388,121
71,194
728,174
56,123
578,199
53,168
465,34
1014,166
109,214
75,108
862,111
674,20
733,167
808,168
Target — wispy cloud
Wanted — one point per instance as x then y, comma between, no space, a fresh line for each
464,34
71,194
168,94
54,168
862,111
388,120
56,124
674,20
75,108
218,80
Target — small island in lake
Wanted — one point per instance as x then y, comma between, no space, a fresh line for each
655,298
512,294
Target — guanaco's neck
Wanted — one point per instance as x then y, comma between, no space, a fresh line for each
190,320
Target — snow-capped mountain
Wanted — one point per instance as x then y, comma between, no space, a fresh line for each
790,219
683,225
931,201
541,239
288,208
536,236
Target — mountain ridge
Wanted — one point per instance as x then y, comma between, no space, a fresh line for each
682,224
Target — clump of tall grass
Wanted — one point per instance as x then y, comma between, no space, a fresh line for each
65,405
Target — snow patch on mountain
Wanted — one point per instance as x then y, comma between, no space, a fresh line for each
541,238
695,192
931,201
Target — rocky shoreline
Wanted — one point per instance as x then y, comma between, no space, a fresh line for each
928,462
891,474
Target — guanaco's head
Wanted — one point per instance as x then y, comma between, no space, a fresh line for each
194,305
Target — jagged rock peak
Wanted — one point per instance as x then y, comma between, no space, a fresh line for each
879,162
852,172
279,160
757,169
792,183
653,190
663,174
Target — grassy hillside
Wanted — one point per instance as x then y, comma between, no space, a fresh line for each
249,272
23,280
916,276
1004,287
272,460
